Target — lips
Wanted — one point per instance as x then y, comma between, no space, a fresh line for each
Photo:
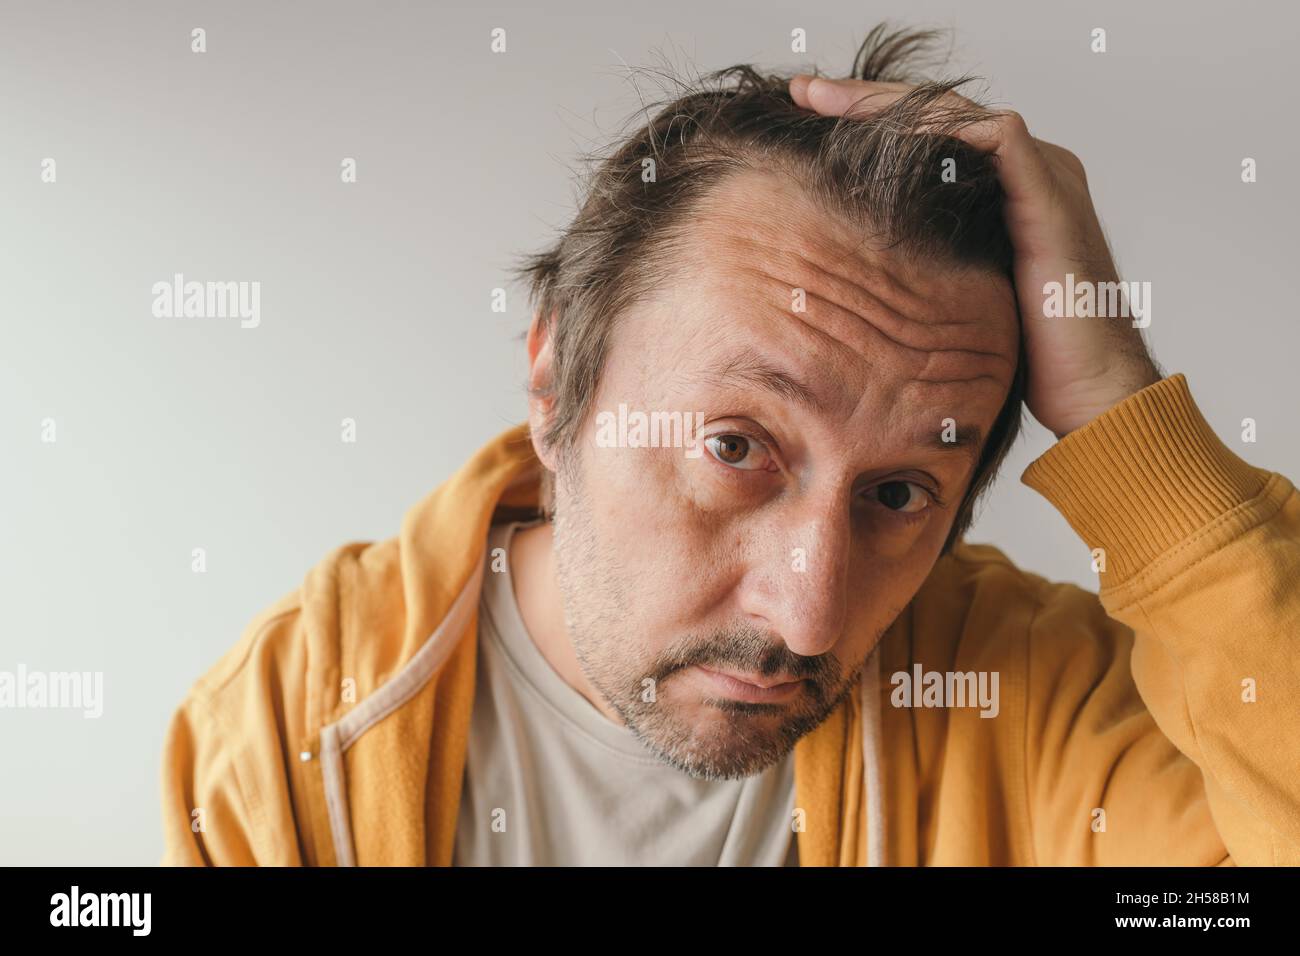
750,688
756,680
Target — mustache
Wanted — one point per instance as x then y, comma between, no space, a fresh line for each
746,648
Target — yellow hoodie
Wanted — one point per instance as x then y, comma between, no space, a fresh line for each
1156,723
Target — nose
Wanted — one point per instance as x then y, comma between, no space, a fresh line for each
797,581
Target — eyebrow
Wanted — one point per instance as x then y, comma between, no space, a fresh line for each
967,439
752,369
748,367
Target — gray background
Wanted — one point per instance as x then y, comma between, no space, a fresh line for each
175,434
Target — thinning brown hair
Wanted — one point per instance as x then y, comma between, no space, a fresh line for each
878,171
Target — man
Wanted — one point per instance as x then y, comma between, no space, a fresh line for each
711,604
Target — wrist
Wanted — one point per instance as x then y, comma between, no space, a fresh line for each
1144,477
1104,394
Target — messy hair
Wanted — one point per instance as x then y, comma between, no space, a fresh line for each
878,170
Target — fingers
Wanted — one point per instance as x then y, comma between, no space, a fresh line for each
799,89
1023,166
836,97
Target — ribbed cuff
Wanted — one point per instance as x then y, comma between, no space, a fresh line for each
1142,477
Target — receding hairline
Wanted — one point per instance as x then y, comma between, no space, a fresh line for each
836,231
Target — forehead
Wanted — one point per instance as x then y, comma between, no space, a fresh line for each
763,266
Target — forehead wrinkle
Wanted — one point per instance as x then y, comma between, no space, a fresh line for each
802,350
857,322
774,214
933,369
796,233
876,314
927,349
867,306
746,222
835,400
734,276
864,279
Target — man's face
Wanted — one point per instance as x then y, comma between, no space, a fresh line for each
822,492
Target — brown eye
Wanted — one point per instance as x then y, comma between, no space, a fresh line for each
736,451
903,496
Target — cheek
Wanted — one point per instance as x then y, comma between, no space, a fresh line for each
658,542
874,606
891,545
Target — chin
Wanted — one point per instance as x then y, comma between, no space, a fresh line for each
707,742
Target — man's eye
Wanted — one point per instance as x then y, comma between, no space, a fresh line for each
902,496
736,451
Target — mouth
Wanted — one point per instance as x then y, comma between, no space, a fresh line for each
752,688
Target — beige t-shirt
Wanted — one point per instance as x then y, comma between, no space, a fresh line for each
568,787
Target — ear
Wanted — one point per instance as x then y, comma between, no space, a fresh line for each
541,401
